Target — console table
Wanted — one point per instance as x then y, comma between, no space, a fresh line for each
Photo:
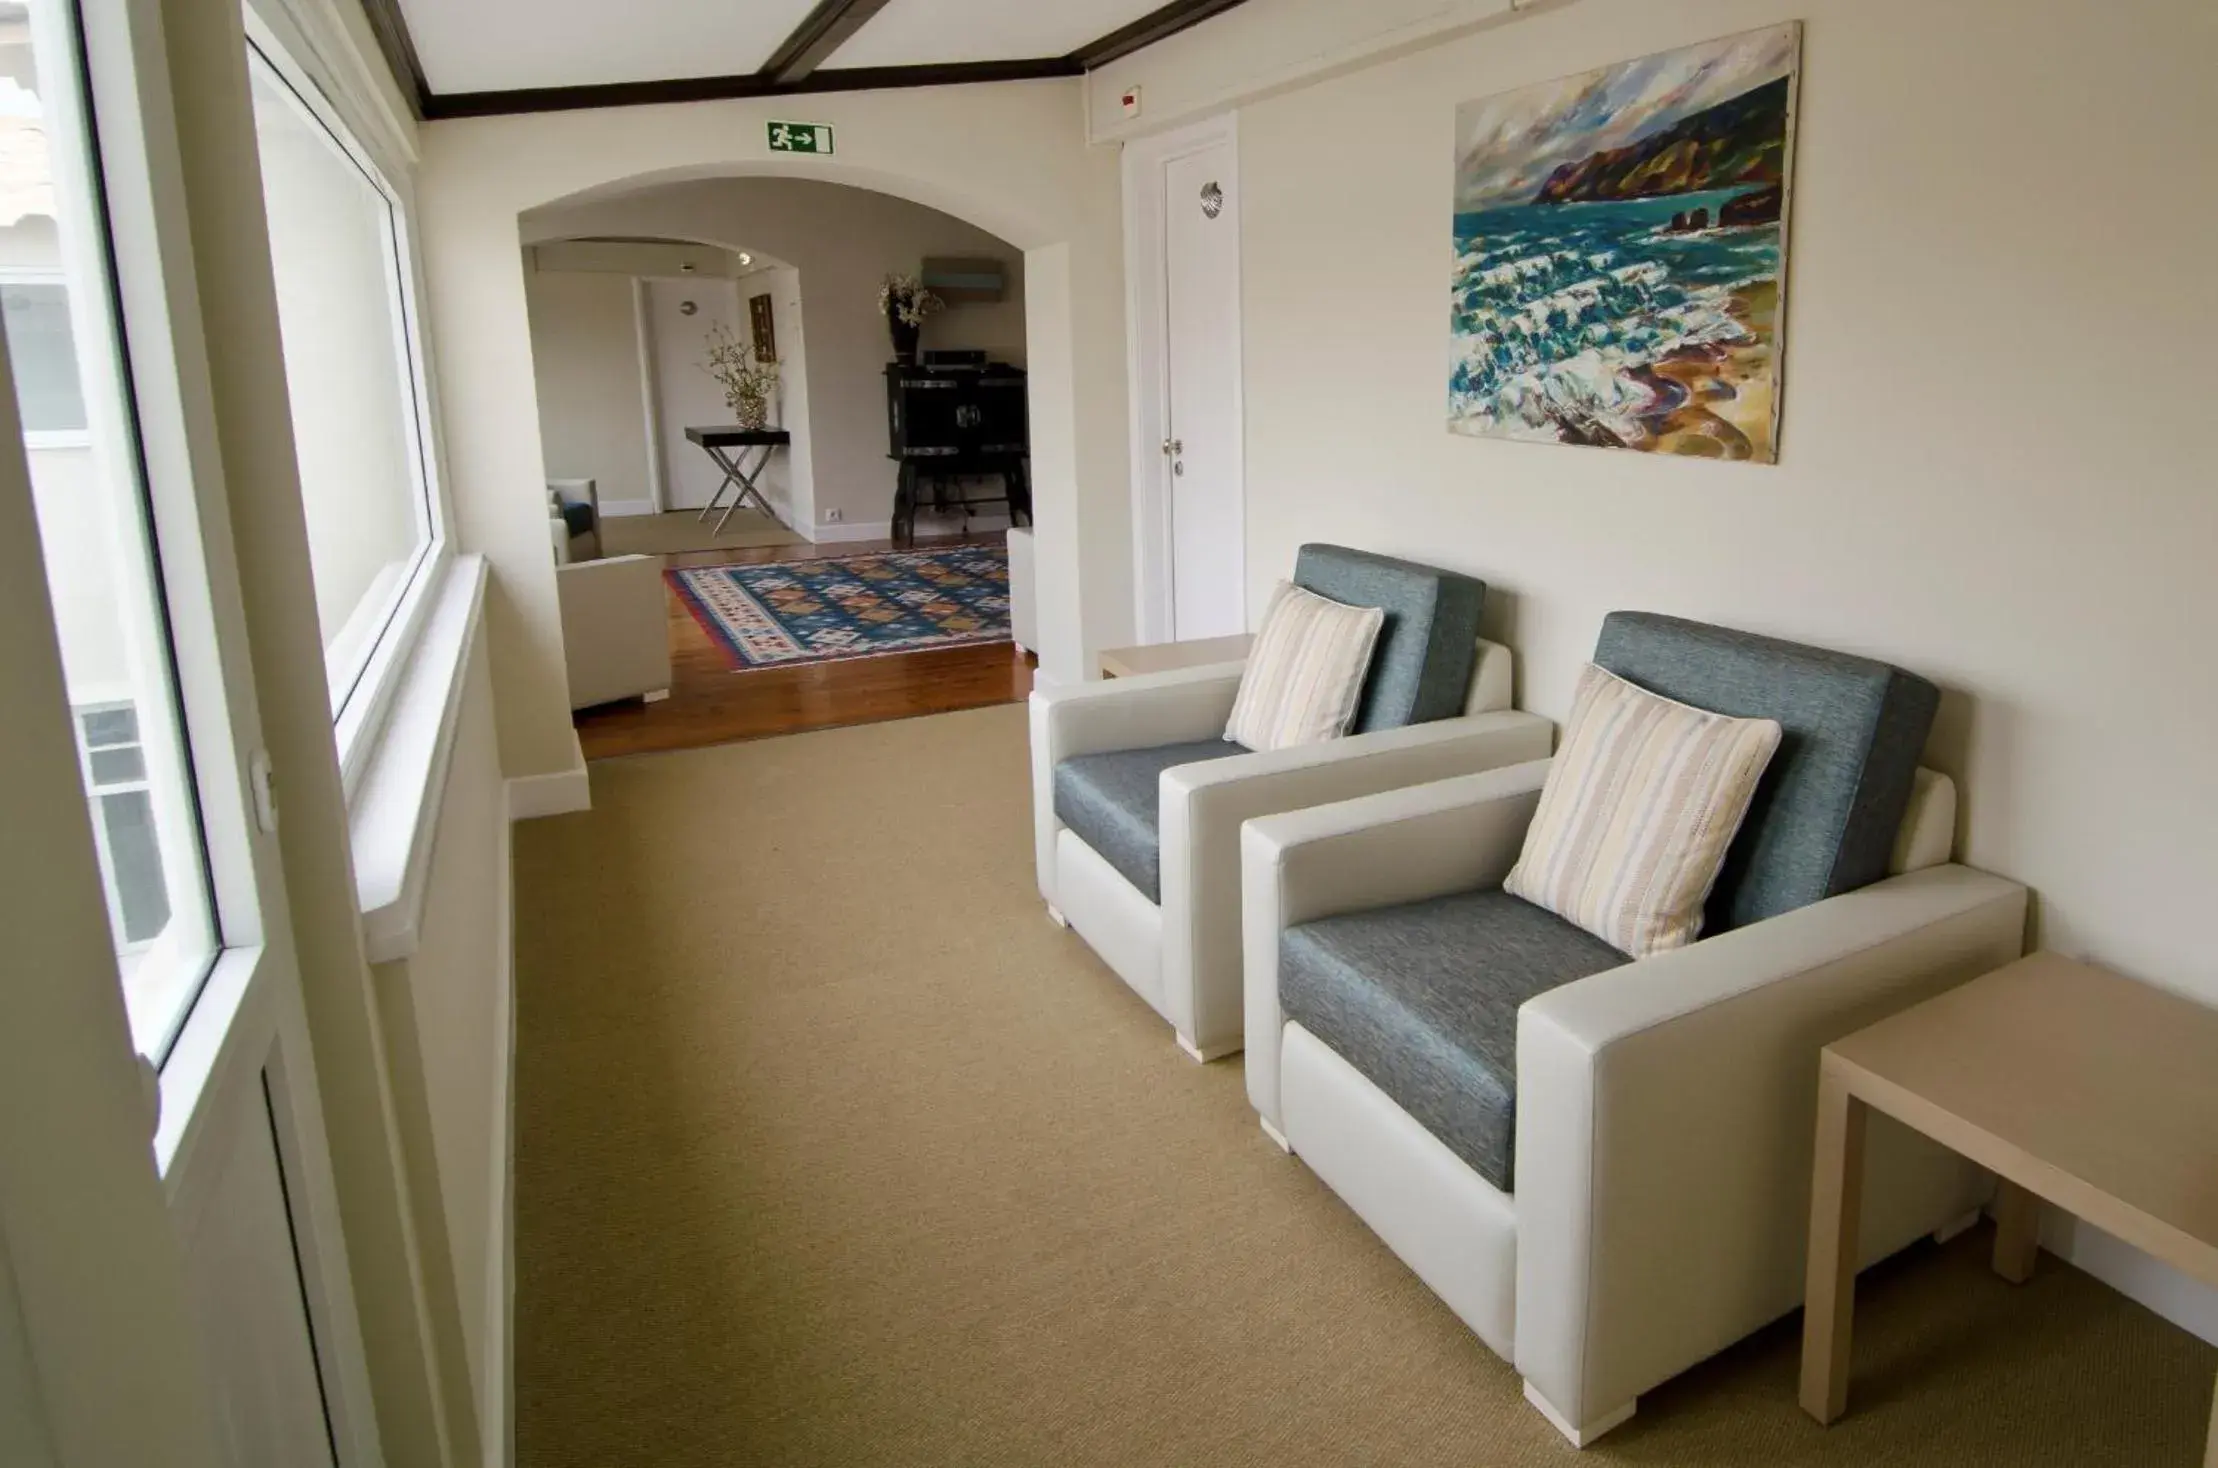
2073,1085
717,443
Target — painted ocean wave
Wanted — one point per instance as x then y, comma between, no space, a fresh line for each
1556,309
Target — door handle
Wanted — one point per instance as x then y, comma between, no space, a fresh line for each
1174,446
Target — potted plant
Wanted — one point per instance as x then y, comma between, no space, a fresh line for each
905,303
748,384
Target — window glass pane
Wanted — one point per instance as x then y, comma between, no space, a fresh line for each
339,302
46,383
116,767
135,855
104,727
58,310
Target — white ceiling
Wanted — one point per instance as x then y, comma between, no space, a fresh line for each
922,32
500,45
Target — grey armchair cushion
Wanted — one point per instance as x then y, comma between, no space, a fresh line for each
1421,668
1110,800
1422,998
1824,819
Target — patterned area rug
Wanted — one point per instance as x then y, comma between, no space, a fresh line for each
785,613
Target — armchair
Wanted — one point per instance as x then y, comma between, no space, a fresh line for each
1602,1165
1138,798
615,629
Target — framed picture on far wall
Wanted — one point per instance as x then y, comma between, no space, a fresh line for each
765,328
1621,253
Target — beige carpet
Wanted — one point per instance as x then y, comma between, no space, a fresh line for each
685,530
833,1150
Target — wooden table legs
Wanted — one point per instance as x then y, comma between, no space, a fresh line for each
2017,1232
1836,1210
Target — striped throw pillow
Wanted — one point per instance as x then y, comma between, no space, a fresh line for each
1643,799
1304,676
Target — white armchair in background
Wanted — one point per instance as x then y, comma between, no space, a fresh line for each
1602,1165
574,517
615,629
1024,617
1138,798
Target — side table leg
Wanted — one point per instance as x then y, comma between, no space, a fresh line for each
1836,1210
2017,1232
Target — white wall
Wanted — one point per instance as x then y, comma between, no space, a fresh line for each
585,354
842,242
1268,46
789,479
1994,359
447,1007
1010,158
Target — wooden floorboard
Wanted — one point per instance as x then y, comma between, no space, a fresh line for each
712,703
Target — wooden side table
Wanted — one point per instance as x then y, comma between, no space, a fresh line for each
1162,657
2072,1084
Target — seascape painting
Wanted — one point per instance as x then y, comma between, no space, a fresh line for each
1620,249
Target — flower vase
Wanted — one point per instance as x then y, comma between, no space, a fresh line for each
904,340
750,413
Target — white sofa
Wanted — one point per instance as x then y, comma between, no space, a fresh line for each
1663,1109
1178,946
615,629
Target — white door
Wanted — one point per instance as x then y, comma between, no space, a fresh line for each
680,314
1201,392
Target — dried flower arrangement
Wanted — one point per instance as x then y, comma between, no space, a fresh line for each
903,298
748,384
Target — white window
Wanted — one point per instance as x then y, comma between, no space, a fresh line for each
338,244
115,772
88,486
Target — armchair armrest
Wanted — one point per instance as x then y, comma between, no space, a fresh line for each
1118,713
1404,845
1664,1128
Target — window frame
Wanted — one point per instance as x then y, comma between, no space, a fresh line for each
186,954
359,721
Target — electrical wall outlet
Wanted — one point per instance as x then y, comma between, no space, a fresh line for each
833,517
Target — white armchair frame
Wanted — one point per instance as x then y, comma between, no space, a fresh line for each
1664,1108
615,629
1183,956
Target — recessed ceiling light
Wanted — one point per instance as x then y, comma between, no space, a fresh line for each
745,258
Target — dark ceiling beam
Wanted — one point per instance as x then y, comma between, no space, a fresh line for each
822,31
1156,25
752,84
391,29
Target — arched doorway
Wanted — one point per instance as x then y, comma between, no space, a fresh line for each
1012,160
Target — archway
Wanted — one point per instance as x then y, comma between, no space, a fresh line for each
1010,159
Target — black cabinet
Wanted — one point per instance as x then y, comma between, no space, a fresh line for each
948,424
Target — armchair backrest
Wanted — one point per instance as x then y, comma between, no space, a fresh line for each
1422,666
1826,817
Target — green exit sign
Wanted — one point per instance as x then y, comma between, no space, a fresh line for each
800,137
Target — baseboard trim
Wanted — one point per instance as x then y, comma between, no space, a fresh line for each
614,509
2185,1301
532,796
847,530
497,1416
